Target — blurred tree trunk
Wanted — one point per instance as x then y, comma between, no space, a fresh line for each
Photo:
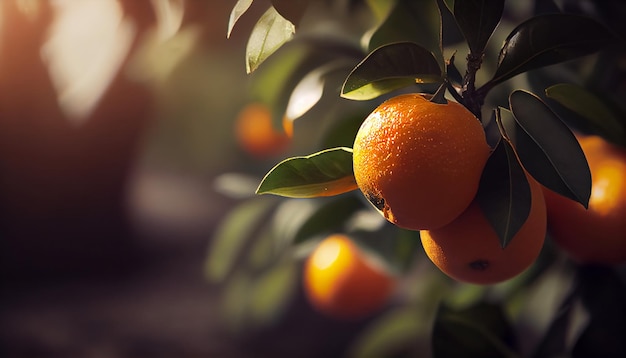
62,185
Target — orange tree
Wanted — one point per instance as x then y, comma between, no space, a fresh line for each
531,74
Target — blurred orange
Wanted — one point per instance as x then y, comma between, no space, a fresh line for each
256,133
598,234
340,280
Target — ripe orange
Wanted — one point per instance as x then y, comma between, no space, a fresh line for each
598,234
256,134
340,280
468,249
420,162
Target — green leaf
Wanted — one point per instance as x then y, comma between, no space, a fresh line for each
411,21
549,39
477,20
291,10
240,8
342,131
268,35
547,148
481,330
328,218
231,236
324,173
391,67
504,194
589,106
453,73
271,293
380,8
397,248
395,330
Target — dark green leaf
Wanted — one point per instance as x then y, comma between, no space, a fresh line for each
268,35
406,246
240,8
481,330
342,131
549,39
291,10
450,34
411,21
453,73
547,148
398,248
477,20
325,173
545,7
390,67
504,194
588,105
329,217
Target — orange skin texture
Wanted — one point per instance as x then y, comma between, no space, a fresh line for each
256,134
420,162
596,235
341,281
469,250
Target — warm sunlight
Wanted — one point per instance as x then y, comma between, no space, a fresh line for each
87,42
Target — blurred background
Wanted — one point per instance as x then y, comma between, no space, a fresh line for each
115,118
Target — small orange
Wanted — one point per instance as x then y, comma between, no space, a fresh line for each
420,162
598,234
256,134
468,249
342,281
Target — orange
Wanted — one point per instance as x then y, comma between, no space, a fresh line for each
342,281
256,134
468,249
598,234
420,162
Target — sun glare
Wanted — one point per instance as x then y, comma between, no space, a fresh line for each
87,43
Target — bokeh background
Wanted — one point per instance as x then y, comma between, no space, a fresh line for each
115,119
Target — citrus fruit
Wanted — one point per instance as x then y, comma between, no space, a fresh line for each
256,134
342,281
468,249
419,162
598,234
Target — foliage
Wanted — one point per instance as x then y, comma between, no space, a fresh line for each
413,46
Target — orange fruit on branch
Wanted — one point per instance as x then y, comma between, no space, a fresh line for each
597,234
342,281
420,162
468,249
